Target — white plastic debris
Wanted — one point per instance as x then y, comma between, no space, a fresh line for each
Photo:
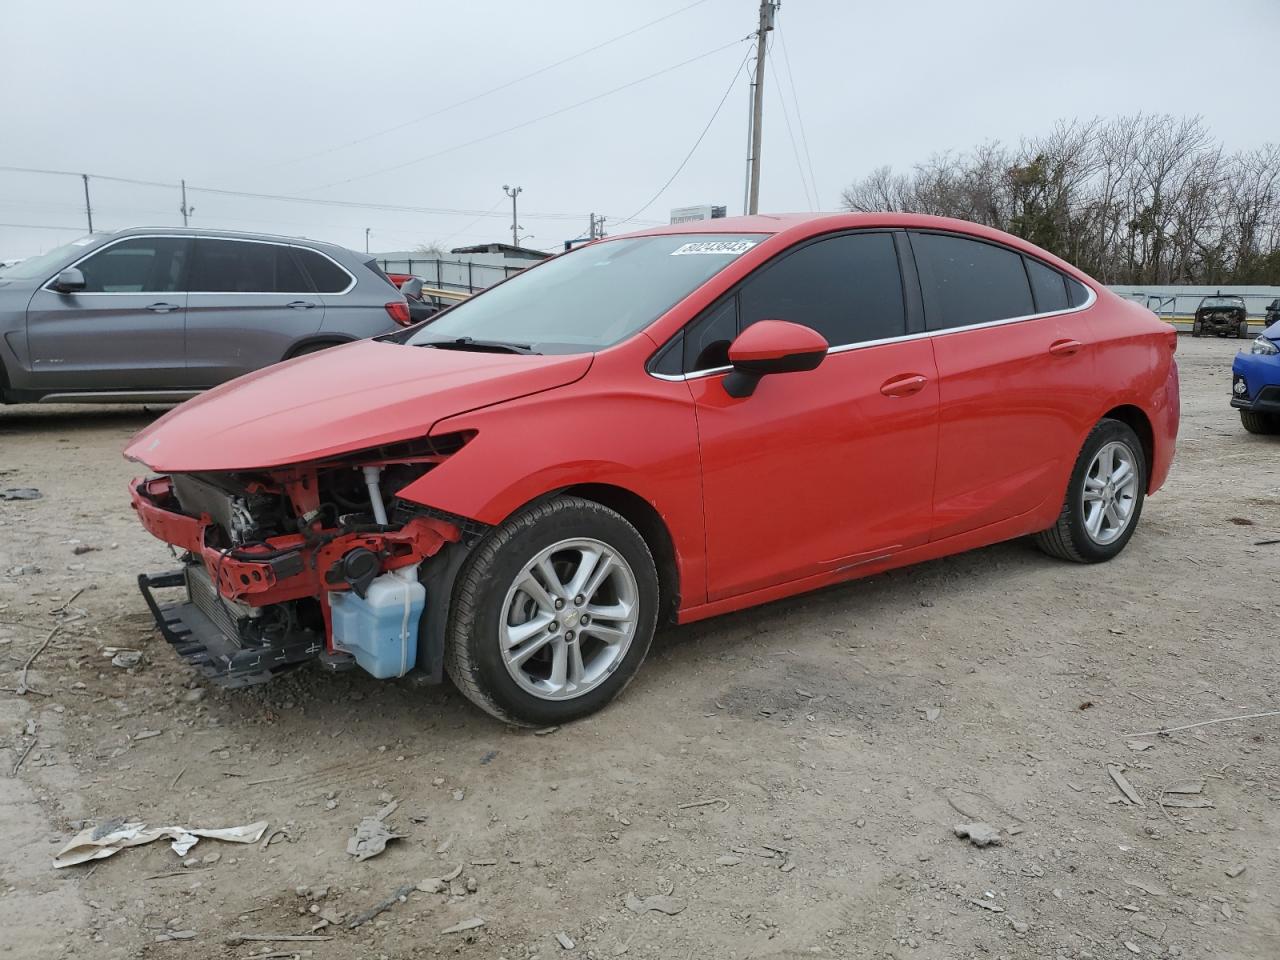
94,843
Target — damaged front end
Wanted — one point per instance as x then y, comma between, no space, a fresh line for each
317,561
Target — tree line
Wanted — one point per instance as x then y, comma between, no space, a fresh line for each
1130,200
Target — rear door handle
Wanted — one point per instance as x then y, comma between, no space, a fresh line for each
163,307
904,386
302,304
1064,348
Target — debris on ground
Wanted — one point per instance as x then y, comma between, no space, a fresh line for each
20,493
1235,870
662,903
1131,795
979,834
987,905
564,940
113,836
126,659
400,895
372,834
465,925
238,938
1137,746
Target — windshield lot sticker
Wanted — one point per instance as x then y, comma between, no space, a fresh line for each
724,248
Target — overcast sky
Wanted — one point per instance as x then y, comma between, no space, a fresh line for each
272,97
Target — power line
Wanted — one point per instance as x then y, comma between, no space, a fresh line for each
285,198
736,73
526,123
39,226
795,149
795,98
492,90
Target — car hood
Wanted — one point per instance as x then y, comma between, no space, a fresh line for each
346,398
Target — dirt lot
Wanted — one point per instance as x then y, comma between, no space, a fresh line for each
840,735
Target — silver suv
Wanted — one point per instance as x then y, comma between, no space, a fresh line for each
157,315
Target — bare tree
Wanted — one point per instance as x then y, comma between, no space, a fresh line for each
1144,198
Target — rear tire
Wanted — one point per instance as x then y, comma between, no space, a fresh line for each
576,665
1267,424
1103,505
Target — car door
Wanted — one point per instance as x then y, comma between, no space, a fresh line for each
250,304
1015,361
124,330
821,471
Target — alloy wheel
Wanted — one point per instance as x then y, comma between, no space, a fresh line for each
1110,492
569,618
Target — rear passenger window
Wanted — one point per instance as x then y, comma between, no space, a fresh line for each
327,276
848,288
239,266
1048,286
965,281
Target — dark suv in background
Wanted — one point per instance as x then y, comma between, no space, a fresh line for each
156,315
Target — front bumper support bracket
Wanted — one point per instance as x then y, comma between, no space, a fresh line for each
219,658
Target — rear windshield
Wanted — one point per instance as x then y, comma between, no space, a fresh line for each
592,297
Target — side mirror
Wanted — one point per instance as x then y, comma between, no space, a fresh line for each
69,280
771,346
412,288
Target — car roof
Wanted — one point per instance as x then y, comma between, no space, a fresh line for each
800,226
225,234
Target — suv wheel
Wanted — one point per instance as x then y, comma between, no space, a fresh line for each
1263,423
1195,328
553,613
1104,497
1242,331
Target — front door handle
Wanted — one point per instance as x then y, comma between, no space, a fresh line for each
163,307
302,304
904,386
1064,348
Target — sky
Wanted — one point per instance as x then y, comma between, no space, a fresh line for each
350,109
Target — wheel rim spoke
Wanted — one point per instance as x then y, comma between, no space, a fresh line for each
519,633
518,657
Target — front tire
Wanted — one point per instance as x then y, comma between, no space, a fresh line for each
1266,424
553,613
1104,497
1242,331
1196,328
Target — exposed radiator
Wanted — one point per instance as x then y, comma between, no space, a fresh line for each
225,614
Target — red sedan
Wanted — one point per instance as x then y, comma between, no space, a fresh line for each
654,428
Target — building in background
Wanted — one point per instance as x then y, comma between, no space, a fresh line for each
705,211
468,268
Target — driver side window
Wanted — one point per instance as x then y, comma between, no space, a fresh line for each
137,265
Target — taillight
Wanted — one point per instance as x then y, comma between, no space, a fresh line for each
398,310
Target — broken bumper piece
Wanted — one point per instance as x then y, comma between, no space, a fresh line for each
207,646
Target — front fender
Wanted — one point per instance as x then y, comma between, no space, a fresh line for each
643,440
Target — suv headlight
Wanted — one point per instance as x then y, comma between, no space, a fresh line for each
1264,347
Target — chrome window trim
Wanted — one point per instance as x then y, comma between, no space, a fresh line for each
207,293
848,347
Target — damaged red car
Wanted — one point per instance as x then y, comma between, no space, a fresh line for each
650,429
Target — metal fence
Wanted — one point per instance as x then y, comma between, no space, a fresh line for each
1178,304
451,274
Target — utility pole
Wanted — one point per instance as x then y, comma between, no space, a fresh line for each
186,211
513,192
88,210
366,239
767,10
596,230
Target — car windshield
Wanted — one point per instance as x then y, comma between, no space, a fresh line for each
35,268
1222,302
589,298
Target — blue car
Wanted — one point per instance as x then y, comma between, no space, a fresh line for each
1255,383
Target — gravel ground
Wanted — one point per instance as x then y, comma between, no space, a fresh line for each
789,776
